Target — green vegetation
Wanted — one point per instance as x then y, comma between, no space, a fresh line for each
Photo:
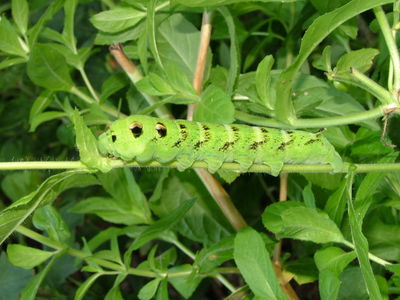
76,225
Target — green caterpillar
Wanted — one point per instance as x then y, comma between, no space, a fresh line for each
144,138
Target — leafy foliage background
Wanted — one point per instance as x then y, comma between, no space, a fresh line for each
158,233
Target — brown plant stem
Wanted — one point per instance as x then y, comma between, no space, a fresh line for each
222,198
286,287
198,77
213,186
135,75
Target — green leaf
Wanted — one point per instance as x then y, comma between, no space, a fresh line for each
87,145
45,117
20,14
361,59
271,217
117,19
151,31
142,50
114,293
369,187
395,268
148,291
333,259
30,290
12,279
178,44
316,32
178,81
185,285
109,209
41,103
36,29
113,84
211,257
315,97
303,270
302,223
49,219
103,38
329,285
10,41
18,184
352,286
122,186
308,196
383,237
48,69
107,255
215,106
324,63
234,67
16,214
161,226
203,223
335,207
27,257
254,263
68,32
263,80
85,286
325,180
8,62
361,245
154,84
206,3
162,293
146,86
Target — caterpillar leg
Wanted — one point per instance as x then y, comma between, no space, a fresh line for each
276,167
245,163
185,161
214,164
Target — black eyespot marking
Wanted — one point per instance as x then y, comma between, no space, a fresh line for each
161,129
136,129
113,138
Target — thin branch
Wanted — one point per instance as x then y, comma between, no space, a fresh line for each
213,186
222,198
317,122
392,47
198,77
282,197
135,75
286,287
231,166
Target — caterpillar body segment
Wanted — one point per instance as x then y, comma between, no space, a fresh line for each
144,138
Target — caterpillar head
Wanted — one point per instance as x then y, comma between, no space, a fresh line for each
128,138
